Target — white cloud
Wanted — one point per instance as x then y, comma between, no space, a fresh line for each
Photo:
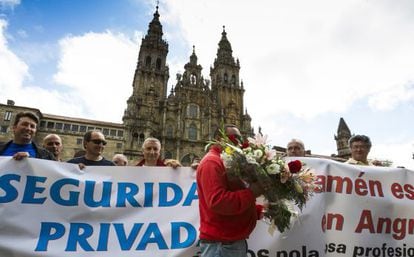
99,68
390,98
9,3
400,153
322,54
13,70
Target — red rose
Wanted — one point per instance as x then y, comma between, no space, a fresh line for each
233,139
295,166
245,144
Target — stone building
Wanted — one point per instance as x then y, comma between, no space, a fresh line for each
71,130
187,117
184,119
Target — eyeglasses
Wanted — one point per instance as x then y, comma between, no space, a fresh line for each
357,147
98,141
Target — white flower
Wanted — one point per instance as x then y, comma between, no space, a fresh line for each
251,158
273,169
258,154
227,159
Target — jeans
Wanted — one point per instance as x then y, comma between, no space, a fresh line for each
217,249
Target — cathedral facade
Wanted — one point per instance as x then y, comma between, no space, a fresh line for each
185,118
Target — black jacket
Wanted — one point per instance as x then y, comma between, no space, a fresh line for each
41,153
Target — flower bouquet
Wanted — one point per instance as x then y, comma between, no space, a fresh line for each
284,183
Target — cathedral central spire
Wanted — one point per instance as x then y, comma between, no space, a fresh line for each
224,52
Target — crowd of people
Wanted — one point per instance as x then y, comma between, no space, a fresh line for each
227,205
22,146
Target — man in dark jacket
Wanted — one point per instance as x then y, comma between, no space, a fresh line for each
22,145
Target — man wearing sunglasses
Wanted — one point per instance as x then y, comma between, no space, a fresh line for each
94,144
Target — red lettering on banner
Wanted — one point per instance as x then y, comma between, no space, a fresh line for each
346,185
398,227
328,220
401,191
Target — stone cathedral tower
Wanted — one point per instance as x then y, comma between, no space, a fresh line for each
185,119
342,137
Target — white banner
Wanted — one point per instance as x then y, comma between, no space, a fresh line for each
53,209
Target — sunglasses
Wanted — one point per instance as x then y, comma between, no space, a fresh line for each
98,141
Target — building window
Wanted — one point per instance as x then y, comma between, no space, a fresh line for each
148,61
3,129
90,128
119,145
113,132
75,128
233,80
158,65
192,132
82,128
169,132
8,116
192,111
79,141
59,125
50,125
120,133
66,127
106,131
42,124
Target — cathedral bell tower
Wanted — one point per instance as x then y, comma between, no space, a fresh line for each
344,134
142,117
227,89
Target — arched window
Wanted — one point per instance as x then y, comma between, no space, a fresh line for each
141,139
192,132
193,79
233,80
226,78
192,111
186,160
169,131
134,139
148,61
158,65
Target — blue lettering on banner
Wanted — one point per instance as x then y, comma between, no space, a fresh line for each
31,189
125,241
95,194
11,192
106,194
126,192
149,194
191,196
177,194
55,192
81,235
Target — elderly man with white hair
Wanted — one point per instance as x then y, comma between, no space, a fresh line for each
295,148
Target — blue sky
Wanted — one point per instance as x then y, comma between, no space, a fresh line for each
304,64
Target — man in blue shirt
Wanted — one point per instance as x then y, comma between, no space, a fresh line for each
22,145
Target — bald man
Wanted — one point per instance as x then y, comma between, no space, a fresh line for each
53,143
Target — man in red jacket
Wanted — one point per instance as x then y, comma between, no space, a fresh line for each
228,211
